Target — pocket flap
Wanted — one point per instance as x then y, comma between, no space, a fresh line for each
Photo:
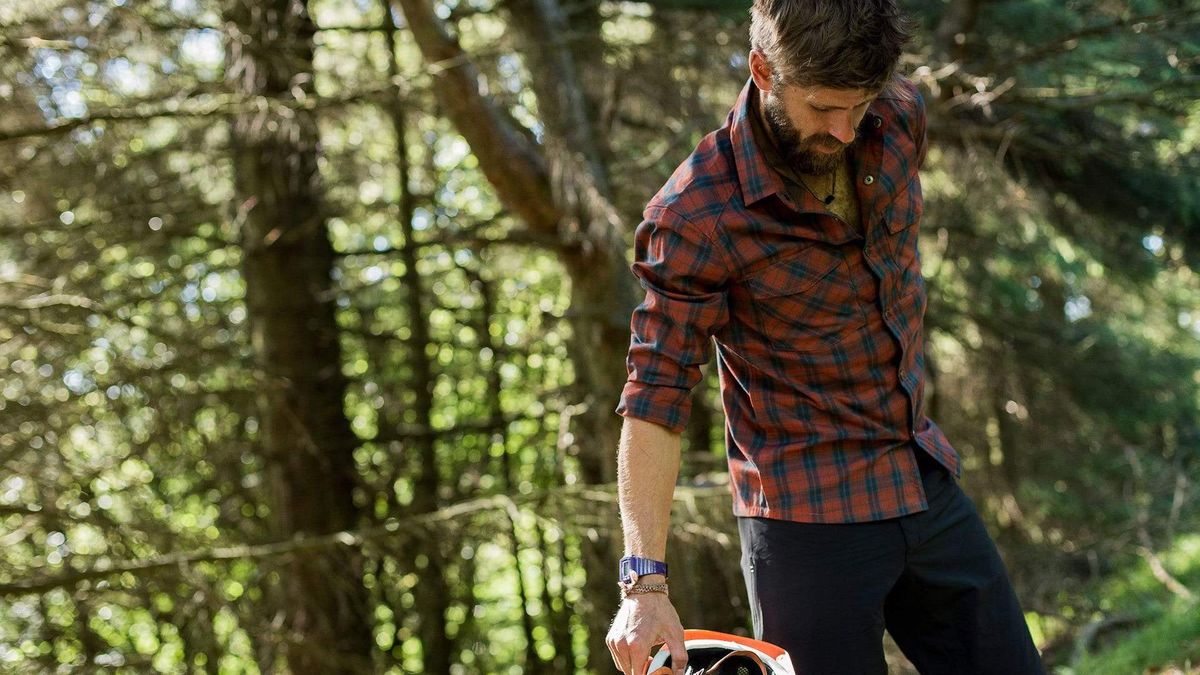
906,208
794,274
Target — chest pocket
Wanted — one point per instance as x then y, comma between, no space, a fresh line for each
806,301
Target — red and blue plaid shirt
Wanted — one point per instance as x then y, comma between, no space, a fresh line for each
817,322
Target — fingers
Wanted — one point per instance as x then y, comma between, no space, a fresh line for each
637,628
626,664
657,655
631,665
637,660
630,658
615,641
675,643
612,652
618,642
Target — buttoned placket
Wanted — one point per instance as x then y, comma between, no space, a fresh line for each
874,246
865,168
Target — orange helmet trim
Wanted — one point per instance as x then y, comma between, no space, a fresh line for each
773,651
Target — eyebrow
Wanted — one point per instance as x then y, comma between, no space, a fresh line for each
834,107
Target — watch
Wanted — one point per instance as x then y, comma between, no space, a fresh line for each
639,566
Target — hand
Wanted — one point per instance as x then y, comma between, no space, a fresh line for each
643,621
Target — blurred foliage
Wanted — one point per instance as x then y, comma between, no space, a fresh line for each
1165,631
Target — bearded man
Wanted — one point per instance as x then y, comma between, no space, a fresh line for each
788,239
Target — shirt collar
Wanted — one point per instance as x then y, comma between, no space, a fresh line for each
758,180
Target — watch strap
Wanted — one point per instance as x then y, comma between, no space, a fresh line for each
640,566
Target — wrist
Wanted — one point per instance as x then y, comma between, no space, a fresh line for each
634,567
647,596
639,587
651,578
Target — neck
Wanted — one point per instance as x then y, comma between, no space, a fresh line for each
762,116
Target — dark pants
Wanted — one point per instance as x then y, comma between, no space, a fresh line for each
934,579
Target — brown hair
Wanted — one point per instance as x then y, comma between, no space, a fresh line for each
843,44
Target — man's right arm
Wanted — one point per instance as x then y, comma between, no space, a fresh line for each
686,276
647,468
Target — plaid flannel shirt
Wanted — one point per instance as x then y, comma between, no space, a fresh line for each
817,323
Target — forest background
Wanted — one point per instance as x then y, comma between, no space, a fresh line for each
313,318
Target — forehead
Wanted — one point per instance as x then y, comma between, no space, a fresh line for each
829,97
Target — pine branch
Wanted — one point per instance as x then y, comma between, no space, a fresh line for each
1069,41
605,494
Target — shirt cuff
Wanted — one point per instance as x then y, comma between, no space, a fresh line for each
665,406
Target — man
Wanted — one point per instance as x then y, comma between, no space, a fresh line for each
790,236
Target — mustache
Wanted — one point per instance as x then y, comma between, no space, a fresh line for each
825,142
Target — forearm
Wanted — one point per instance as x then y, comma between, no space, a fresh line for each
647,467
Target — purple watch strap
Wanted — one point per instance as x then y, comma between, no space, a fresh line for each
643,566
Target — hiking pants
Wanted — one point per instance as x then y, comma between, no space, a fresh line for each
933,579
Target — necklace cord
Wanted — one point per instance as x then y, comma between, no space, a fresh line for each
826,200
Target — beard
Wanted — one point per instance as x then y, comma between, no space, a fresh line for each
802,154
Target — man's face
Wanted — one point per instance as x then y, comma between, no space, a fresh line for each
813,126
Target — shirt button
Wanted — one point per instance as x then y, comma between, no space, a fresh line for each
869,179
878,122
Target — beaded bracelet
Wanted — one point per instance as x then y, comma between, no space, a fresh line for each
636,589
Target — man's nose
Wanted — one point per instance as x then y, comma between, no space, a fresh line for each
842,129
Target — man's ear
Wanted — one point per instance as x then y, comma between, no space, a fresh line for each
760,70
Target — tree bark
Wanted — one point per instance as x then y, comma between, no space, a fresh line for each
511,164
305,437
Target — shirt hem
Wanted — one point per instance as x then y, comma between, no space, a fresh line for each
827,517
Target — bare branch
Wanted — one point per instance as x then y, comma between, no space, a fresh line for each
391,528
506,157
520,237
1146,549
199,106
1060,99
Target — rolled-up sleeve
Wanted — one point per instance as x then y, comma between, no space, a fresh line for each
685,274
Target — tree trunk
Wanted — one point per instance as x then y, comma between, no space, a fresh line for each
562,191
556,605
305,437
602,294
433,593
